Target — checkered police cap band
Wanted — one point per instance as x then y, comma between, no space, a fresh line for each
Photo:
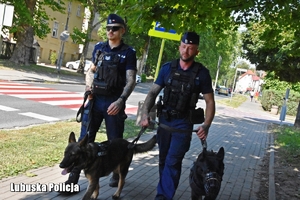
190,38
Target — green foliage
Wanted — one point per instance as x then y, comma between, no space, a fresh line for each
275,97
32,13
144,78
271,81
78,36
271,97
274,48
288,138
53,57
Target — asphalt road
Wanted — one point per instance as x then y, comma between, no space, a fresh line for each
30,103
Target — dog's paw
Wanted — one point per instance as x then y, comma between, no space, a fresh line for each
115,196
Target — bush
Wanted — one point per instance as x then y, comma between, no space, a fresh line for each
53,58
144,78
273,97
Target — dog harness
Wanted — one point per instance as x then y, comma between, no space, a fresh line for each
102,147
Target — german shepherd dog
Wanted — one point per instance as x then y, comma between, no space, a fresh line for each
206,175
116,158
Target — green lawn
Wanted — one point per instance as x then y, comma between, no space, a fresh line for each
43,145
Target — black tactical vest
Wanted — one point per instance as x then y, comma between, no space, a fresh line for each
181,93
108,80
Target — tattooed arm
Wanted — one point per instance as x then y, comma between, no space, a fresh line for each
130,83
149,103
116,106
89,77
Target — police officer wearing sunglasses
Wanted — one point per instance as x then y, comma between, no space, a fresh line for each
183,80
111,79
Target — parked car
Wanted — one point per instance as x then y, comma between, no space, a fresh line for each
138,79
223,90
75,64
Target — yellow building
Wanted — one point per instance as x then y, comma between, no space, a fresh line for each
73,17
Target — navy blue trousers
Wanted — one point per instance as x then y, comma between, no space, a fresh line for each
172,148
114,123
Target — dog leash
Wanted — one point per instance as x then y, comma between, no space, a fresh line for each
133,143
81,109
168,128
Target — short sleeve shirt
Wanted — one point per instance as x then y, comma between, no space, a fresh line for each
203,74
128,56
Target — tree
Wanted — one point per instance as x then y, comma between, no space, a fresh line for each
29,19
274,48
94,7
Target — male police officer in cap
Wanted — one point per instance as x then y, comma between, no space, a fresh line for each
111,78
182,80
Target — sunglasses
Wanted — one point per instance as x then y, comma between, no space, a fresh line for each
113,28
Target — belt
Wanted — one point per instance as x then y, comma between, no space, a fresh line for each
174,114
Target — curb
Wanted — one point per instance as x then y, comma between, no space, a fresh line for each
272,193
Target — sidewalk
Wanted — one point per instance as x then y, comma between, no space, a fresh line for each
242,132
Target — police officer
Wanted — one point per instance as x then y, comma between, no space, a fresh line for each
182,80
111,79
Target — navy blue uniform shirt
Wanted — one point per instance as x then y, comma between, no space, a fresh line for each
128,56
203,74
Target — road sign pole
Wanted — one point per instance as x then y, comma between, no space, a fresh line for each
159,58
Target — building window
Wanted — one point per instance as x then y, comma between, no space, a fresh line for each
55,30
78,14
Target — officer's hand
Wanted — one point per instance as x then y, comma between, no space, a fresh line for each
115,107
90,96
145,120
202,132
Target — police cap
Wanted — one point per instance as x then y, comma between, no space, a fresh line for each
115,19
190,38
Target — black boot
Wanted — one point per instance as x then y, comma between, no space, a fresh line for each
114,180
73,176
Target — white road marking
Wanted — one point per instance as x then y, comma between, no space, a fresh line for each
130,106
57,103
38,116
33,96
32,91
23,86
5,108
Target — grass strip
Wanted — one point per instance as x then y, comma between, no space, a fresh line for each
235,101
43,145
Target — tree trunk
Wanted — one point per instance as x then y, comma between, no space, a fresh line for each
141,68
21,54
87,41
297,120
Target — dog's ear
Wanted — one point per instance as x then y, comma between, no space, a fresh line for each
72,137
84,141
221,153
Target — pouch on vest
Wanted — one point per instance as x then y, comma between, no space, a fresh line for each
100,87
196,116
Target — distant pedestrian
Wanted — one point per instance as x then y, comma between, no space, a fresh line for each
251,95
256,96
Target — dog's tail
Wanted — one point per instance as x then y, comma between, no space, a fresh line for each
144,147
